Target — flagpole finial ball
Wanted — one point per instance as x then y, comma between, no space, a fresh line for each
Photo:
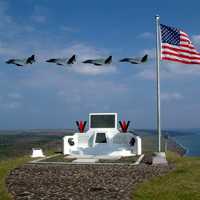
157,16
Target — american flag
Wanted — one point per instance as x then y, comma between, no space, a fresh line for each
176,46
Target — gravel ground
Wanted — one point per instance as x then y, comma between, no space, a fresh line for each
79,182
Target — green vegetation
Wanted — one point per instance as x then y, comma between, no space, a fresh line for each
58,158
181,184
13,146
5,167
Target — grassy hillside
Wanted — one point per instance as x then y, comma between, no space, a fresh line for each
13,146
181,184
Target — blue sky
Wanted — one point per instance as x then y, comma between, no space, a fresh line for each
48,96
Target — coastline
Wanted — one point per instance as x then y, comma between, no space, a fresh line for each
176,147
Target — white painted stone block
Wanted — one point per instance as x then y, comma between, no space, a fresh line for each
37,153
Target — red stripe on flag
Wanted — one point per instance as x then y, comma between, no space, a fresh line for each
183,34
185,40
180,61
187,46
179,50
180,55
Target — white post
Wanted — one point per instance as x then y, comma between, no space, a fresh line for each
158,80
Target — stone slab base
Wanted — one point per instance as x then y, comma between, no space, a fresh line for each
85,160
159,158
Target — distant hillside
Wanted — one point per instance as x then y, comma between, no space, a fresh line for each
37,131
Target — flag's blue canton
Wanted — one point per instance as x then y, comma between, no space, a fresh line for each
170,35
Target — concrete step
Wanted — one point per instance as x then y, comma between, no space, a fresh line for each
159,158
85,160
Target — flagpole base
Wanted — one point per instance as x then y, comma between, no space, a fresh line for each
159,158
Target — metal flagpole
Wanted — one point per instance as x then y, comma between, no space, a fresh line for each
158,79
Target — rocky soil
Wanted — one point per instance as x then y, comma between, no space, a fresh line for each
79,182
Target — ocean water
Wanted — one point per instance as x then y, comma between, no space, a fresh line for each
191,142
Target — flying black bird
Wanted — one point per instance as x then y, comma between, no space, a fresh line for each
63,61
22,62
135,60
100,61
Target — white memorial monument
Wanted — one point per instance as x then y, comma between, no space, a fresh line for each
103,138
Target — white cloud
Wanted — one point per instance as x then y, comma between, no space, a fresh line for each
168,70
174,69
39,18
63,89
10,105
10,101
9,31
39,14
7,51
5,18
169,96
94,70
68,29
151,53
8,26
91,93
29,28
73,98
146,35
15,96
147,74
196,39
40,46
